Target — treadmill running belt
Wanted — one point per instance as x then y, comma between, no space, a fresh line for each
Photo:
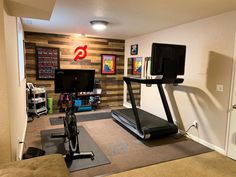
150,123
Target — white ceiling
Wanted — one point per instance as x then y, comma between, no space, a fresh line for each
127,18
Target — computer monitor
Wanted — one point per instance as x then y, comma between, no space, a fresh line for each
167,59
74,80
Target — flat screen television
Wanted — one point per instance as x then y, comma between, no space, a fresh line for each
167,59
73,80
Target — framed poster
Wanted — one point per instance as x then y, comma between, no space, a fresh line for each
134,49
137,65
108,64
47,60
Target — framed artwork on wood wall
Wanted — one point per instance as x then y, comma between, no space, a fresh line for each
137,65
47,60
108,64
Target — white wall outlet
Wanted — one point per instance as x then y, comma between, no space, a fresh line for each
195,124
219,87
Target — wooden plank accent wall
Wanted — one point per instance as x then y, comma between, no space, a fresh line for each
112,85
135,86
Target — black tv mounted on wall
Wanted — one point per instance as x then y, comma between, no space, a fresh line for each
74,80
168,60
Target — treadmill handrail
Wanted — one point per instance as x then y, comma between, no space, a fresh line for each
165,103
134,108
159,83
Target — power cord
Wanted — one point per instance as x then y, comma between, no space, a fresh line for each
186,132
180,135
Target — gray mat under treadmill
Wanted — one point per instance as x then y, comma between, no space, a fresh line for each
84,117
57,145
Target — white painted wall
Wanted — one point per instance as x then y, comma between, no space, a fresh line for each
13,117
209,58
16,85
5,154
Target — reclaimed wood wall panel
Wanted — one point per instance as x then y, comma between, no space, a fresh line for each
112,85
135,86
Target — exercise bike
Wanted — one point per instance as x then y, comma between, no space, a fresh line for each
71,134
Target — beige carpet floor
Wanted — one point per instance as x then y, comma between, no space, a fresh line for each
123,149
210,164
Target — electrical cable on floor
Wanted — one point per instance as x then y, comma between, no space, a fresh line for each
183,134
186,132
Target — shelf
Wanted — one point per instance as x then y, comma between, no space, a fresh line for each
82,101
38,91
37,100
84,108
37,111
85,105
86,95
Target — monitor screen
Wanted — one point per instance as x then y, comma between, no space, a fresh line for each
167,59
74,80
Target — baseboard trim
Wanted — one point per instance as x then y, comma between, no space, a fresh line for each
205,143
194,138
21,144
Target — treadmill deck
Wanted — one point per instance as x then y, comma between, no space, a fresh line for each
150,124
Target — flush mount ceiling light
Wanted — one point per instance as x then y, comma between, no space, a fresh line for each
99,24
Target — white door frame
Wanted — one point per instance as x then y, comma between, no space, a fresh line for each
230,109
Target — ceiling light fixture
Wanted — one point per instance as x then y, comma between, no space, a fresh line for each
99,24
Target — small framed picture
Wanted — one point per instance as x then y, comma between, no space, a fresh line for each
134,49
108,64
137,65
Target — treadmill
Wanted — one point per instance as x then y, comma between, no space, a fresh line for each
167,60
142,123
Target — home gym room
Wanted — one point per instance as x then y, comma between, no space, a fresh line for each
151,94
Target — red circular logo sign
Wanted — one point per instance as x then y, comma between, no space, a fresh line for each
81,53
